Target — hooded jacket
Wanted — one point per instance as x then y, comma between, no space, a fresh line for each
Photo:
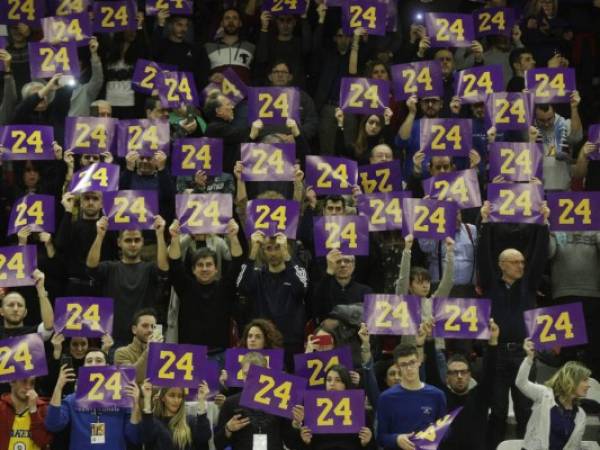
39,435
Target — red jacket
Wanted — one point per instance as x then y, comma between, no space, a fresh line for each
39,435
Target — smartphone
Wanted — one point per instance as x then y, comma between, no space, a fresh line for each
66,80
68,360
158,330
323,339
418,18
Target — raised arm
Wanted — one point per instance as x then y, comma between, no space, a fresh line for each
46,311
162,261
402,283
447,280
532,390
93,257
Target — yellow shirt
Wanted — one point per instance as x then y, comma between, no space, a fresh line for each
20,435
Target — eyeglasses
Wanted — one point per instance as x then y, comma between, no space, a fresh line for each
459,373
408,364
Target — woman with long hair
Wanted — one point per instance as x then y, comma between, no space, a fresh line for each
261,334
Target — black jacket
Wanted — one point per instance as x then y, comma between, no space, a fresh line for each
156,435
329,293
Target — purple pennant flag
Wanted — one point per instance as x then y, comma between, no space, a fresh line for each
90,135
22,11
516,202
327,412
461,187
426,218
130,210
272,391
203,213
100,177
233,363
115,15
66,7
349,234
364,95
47,60
284,7
273,105
17,263
384,210
494,21
420,78
33,211
551,85
446,137
398,315
431,437
177,89
515,161
83,316
177,365
27,142
574,211
461,318
72,28
231,87
3,45
144,75
22,357
190,155
272,216
556,326
475,83
380,177
209,372
450,30
509,110
104,387
175,7
314,366
329,175
146,136
368,14
594,138
268,162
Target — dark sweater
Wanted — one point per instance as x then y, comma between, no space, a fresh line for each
232,136
330,293
156,435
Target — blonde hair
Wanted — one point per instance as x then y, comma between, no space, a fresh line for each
564,382
178,426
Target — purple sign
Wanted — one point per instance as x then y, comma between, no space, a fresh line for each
209,372
22,357
176,365
594,138
392,314
509,110
494,21
17,263
380,177
203,213
551,85
73,28
175,7
130,210
284,7
27,142
349,234
22,11
446,137
100,177
146,136
66,7
461,187
461,318
47,60
233,363
431,437
426,218
515,161
273,105
115,15
556,326
144,75
272,216
420,78
516,202
268,162
475,83
329,175
314,366
90,135
189,155
104,387
32,210
83,316
368,14
3,45
364,95
574,211
327,412
177,89
231,87
384,210
450,30
272,391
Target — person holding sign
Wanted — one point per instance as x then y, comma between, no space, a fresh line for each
9,93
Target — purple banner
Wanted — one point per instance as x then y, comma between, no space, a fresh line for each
475,83
314,366
368,14
327,412
130,210
32,210
175,7
99,177
384,210
272,391
3,45
392,314
273,105
574,211
104,387
515,161
233,363
551,85
209,372
380,177
190,155
146,136
431,437
83,316
144,75
556,326
272,216
268,162
27,142
494,21
364,95
431,219
22,11
284,7
509,110
349,234
516,202
231,87
22,357
461,187
594,138
73,28
66,7
450,30
47,60
329,175
176,365
113,16
177,89
461,318
90,135
422,78
203,213
17,263
446,137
